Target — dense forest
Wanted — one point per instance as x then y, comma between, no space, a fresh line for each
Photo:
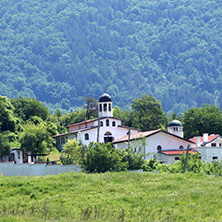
59,51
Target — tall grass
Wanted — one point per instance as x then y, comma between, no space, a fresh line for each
111,197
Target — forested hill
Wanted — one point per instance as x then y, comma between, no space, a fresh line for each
59,51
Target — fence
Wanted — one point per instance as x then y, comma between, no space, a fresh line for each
10,169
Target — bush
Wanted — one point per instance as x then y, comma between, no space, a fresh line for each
133,160
102,157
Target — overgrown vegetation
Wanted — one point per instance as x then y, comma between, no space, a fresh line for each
111,197
100,157
61,51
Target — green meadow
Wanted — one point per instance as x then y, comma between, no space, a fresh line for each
111,197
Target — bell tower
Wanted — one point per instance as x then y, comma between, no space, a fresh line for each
105,106
175,127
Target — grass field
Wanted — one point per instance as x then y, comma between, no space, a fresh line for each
111,197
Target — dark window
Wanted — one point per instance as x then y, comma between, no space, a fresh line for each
108,137
105,107
101,123
100,107
215,158
86,136
114,123
213,144
219,144
159,147
181,147
177,158
18,154
109,107
107,122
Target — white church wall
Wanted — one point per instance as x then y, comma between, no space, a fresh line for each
166,141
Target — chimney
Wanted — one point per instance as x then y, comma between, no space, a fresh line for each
198,141
205,137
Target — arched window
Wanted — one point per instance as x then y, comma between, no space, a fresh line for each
86,136
159,148
105,107
100,107
108,137
107,122
181,147
114,123
109,107
101,123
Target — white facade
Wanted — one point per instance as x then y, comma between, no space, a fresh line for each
156,141
209,147
16,156
109,129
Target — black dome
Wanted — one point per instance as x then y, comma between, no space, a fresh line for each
105,98
175,123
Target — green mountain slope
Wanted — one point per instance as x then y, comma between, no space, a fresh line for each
59,51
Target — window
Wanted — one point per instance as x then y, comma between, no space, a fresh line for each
107,122
101,123
105,107
109,107
108,137
63,140
114,123
177,158
213,144
219,144
215,158
100,107
159,147
181,148
86,136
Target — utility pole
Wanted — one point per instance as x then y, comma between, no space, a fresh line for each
98,131
185,163
129,138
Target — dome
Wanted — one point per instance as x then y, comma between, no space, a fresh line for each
105,98
175,123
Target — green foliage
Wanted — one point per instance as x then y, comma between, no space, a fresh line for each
147,113
7,118
4,146
169,49
74,152
91,106
26,108
102,157
151,164
133,160
36,139
111,197
197,121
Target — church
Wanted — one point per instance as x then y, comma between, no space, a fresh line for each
105,128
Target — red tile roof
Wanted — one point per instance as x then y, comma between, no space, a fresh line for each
210,138
176,152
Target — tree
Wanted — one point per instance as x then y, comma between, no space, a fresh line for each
205,119
102,157
74,152
36,139
4,146
148,113
91,107
7,118
26,107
